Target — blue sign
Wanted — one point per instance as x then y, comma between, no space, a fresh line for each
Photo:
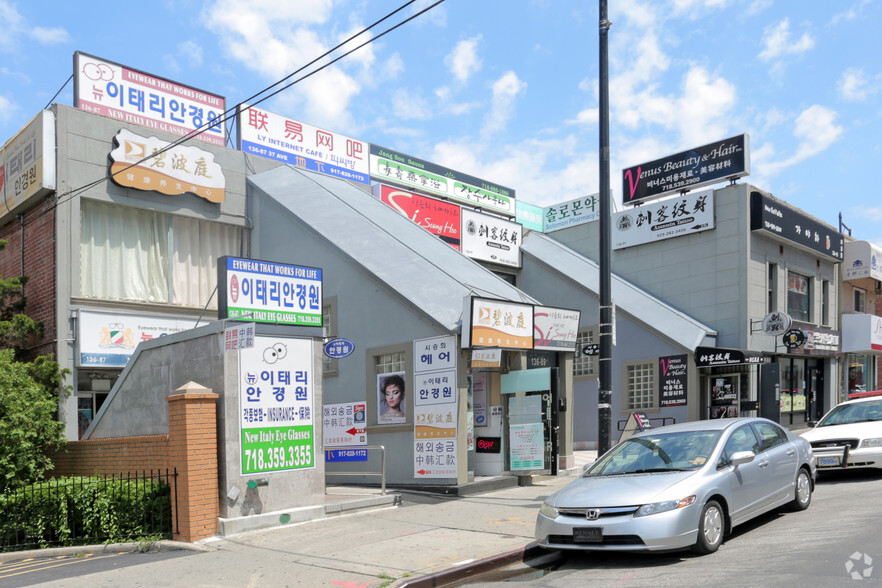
338,348
346,454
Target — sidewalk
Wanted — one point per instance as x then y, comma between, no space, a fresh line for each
427,540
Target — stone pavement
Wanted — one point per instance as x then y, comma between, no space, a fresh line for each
426,540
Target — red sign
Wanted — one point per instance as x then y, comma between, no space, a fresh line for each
436,216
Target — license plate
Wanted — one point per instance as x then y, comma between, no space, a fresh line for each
828,462
588,534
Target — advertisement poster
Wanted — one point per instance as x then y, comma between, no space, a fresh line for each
109,340
526,446
436,216
276,402
435,408
391,394
300,144
672,380
343,424
489,238
724,396
555,329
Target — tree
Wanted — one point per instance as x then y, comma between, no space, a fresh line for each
29,392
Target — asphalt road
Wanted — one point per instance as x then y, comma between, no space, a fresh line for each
836,542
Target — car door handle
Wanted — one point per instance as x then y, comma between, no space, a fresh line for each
791,452
763,464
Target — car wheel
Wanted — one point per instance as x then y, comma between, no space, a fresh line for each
711,526
803,495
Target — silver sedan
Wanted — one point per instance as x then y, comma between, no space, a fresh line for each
680,486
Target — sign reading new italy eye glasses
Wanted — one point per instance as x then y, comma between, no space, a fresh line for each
276,402
391,167
283,139
701,166
268,292
135,97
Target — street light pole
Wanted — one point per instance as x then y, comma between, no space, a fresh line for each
604,397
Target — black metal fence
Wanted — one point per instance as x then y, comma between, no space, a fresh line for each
89,510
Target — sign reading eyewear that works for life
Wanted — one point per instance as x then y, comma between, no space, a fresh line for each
132,96
140,163
555,329
436,216
492,239
268,292
109,340
498,323
691,213
717,356
672,380
392,167
571,213
276,401
784,223
701,166
27,164
283,139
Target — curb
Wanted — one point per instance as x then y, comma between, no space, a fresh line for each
134,547
531,556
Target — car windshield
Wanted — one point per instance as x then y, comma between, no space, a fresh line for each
859,412
665,452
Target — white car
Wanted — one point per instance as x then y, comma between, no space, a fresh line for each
849,436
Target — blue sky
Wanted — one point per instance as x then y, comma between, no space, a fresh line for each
507,90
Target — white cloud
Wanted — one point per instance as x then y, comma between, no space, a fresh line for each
758,6
505,90
15,28
853,84
50,36
393,66
587,117
410,105
777,42
8,109
694,7
851,13
463,61
815,129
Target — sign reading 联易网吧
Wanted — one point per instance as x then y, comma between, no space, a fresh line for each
391,167
268,292
281,138
687,170
276,400
135,97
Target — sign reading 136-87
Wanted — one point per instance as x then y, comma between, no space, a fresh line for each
276,395
268,292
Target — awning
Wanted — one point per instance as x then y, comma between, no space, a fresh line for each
717,356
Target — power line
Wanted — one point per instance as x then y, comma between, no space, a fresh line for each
231,112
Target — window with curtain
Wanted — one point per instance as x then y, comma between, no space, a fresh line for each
141,255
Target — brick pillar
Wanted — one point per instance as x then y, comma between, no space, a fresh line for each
192,440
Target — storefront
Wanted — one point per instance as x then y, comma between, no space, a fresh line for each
730,381
862,347
805,373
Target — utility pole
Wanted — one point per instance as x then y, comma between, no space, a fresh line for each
604,397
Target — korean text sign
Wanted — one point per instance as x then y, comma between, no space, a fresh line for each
131,96
435,407
276,400
268,292
283,139
436,216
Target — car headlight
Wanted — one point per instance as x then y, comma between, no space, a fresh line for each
548,511
877,442
657,507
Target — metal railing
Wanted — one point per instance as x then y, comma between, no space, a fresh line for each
358,448
89,510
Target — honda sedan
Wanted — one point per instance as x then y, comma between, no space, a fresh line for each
681,486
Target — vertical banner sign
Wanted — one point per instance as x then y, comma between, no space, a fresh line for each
135,97
672,383
283,139
435,407
267,292
27,163
276,400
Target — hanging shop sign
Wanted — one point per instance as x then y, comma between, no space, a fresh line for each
555,329
269,292
498,323
276,398
861,333
391,167
339,348
777,219
862,260
132,96
709,164
672,380
490,238
27,164
486,358
436,216
819,340
300,144
571,213
717,356
793,339
529,216
776,323
149,163
676,217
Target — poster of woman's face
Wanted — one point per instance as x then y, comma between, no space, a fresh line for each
391,396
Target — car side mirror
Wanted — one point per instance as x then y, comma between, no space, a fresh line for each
811,424
741,457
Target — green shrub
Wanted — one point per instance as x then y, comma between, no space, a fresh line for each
77,511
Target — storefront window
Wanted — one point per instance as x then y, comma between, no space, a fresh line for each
798,296
793,385
859,373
